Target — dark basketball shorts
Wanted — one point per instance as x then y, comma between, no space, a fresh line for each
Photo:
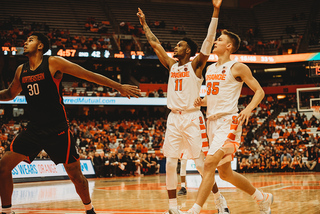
59,145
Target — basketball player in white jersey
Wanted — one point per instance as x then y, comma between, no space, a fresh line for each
224,81
185,122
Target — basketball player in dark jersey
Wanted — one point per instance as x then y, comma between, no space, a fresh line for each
40,81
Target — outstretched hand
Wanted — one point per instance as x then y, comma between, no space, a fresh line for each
217,3
142,17
129,91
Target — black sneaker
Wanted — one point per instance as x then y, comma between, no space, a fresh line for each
10,213
182,191
91,211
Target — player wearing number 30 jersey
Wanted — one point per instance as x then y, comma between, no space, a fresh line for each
50,95
40,81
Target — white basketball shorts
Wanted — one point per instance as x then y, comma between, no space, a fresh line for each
224,134
185,133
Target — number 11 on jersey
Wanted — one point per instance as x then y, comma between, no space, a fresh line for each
178,85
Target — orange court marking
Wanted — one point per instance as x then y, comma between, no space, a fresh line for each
302,187
150,186
100,211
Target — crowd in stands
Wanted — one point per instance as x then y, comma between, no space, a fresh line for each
251,43
124,163
136,30
14,32
62,39
116,148
94,26
133,146
285,145
94,90
89,89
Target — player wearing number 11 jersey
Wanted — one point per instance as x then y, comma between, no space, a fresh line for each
40,81
186,131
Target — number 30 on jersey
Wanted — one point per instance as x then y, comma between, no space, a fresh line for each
33,89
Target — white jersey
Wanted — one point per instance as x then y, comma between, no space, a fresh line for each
223,90
183,88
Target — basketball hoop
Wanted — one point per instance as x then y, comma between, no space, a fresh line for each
316,111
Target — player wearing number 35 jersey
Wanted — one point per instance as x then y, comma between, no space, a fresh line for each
224,81
223,92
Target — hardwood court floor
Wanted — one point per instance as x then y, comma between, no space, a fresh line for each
294,193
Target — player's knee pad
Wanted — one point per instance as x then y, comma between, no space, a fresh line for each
183,167
171,173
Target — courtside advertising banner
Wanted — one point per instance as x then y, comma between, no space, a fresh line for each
46,193
47,168
76,100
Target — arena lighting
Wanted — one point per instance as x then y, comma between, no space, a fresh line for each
281,96
274,69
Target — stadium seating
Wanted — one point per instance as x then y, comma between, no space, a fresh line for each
57,14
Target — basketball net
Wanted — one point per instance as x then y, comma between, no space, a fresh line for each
316,111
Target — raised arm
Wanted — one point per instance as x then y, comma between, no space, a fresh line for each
14,88
65,66
154,42
200,61
242,71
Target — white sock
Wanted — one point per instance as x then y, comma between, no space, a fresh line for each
257,195
196,208
173,203
183,184
88,206
216,195
6,210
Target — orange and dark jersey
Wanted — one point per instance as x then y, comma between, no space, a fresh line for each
44,96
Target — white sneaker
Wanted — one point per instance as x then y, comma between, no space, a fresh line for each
221,205
265,203
177,211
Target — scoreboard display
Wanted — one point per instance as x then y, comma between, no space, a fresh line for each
314,69
312,58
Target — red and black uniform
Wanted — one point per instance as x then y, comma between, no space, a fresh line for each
48,127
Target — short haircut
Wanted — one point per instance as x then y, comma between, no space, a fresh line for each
44,40
193,46
235,39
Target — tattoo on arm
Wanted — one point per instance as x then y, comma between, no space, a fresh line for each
150,36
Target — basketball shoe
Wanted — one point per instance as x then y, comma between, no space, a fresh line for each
265,203
175,211
182,191
91,211
221,205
